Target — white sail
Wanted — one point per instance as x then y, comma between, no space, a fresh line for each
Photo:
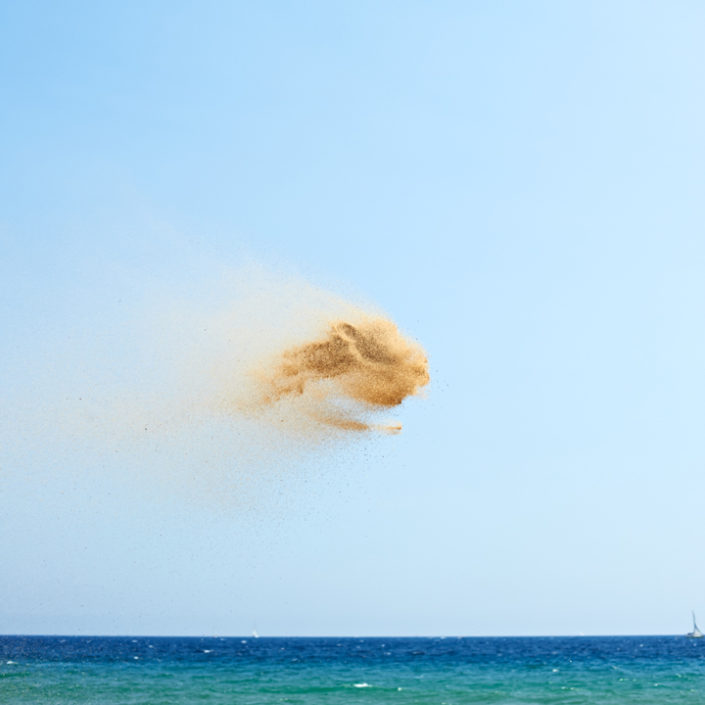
696,633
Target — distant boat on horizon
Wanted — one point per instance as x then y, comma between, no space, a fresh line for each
696,633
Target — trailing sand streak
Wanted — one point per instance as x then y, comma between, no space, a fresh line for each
351,369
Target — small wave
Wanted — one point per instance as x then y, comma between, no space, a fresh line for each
361,685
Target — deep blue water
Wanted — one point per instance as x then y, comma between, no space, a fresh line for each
511,671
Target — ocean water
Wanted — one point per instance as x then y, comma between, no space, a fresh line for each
503,671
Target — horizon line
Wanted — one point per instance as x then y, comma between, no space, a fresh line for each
338,636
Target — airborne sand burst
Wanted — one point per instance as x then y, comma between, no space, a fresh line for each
353,368
217,387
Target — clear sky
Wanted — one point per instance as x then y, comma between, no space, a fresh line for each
518,185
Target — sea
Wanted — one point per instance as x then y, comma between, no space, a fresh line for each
54,670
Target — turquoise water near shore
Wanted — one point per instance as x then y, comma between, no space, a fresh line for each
451,671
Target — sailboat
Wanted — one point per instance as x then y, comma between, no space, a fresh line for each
696,633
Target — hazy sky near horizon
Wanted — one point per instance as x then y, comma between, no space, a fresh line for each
518,185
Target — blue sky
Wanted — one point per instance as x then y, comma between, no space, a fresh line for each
518,185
